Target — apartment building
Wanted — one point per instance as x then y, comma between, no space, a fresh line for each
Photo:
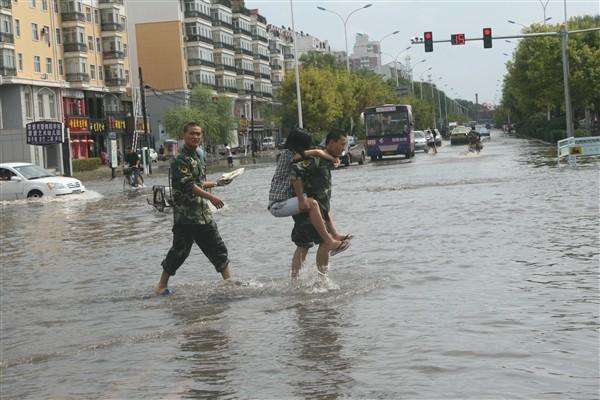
65,61
219,44
366,54
281,49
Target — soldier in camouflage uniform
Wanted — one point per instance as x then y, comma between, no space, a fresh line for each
192,217
313,177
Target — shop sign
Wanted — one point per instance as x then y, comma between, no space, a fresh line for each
115,124
97,127
73,94
43,133
77,124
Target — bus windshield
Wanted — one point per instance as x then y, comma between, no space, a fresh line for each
394,123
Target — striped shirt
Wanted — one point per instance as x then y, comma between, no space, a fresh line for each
280,184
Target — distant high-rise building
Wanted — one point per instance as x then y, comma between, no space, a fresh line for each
366,54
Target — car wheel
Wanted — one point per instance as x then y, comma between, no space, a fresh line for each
34,194
362,160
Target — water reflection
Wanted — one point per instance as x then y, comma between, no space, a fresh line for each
206,347
325,369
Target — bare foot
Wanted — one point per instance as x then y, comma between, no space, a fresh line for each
334,244
226,273
160,290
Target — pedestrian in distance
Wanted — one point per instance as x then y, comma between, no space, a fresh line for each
229,156
192,221
313,177
430,136
282,200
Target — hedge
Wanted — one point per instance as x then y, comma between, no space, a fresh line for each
86,164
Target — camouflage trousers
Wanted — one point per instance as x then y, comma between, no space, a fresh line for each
206,236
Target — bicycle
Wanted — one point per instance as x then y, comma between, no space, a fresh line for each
130,176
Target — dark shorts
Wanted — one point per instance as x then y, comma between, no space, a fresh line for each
230,160
206,236
431,144
304,233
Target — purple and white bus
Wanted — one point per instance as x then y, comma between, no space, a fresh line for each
389,131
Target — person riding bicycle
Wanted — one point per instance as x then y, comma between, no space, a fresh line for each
474,141
133,161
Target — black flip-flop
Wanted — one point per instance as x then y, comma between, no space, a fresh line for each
345,245
348,237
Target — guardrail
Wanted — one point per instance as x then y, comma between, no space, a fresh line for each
573,147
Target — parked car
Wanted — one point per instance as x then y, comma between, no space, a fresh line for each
483,131
24,180
354,151
152,154
280,143
421,141
459,135
268,143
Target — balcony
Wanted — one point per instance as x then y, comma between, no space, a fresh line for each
241,71
8,71
5,4
226,3
75,47
274,51
113,26
72,16
243,51
289,56
113,55
226,67
119,2
7,37
110,81
78,77
264,76
198,61
242,31
261,57
276,67
260,38
223,45
198,38
197,14
218,22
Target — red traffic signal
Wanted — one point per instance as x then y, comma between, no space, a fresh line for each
457,39
428,36
487,38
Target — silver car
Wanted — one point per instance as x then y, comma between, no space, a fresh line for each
421,141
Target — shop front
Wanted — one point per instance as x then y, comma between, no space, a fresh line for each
79,131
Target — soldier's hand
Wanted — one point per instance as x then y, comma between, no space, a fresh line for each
223,182
216,202
336,163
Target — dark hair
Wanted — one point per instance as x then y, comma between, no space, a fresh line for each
335,135
190,125
298,141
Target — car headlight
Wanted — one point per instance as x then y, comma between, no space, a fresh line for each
55,185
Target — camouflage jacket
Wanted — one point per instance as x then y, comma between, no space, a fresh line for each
315,174
187,169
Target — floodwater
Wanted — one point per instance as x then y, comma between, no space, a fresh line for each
470,276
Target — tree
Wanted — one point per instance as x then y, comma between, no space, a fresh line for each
315,59
213,114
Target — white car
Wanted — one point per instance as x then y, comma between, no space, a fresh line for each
483,131
24,180
152,154
421,141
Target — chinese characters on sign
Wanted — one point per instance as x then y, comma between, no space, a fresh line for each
78,124
42,133
115,124
97,127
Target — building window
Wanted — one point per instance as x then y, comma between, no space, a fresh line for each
18,27
41,108
20,61
98,45
93,71
60,67
52,105
88,14
100,74
46,34
58,36
91,43
49,65
32,3
34,31
97,17
44,5
126,76
28,105
37,64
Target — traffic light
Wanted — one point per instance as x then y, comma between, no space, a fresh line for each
428,42
487,38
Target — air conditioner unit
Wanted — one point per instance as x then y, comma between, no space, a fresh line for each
44,76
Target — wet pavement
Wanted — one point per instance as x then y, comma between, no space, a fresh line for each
470,276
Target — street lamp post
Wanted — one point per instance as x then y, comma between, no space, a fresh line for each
381,41
565,57
345,22
410,71
396,62
298,97
432,100
421,82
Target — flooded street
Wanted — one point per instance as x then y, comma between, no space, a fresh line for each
468,277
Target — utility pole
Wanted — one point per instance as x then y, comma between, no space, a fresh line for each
439,106
145,116
565,57
432,101
252,122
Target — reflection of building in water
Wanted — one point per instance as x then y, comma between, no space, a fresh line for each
326,371
206,349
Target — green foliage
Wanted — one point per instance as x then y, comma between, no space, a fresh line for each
422,111
331,97
317,59
214,114
86,164
533,88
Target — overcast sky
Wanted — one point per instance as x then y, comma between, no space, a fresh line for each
468,69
